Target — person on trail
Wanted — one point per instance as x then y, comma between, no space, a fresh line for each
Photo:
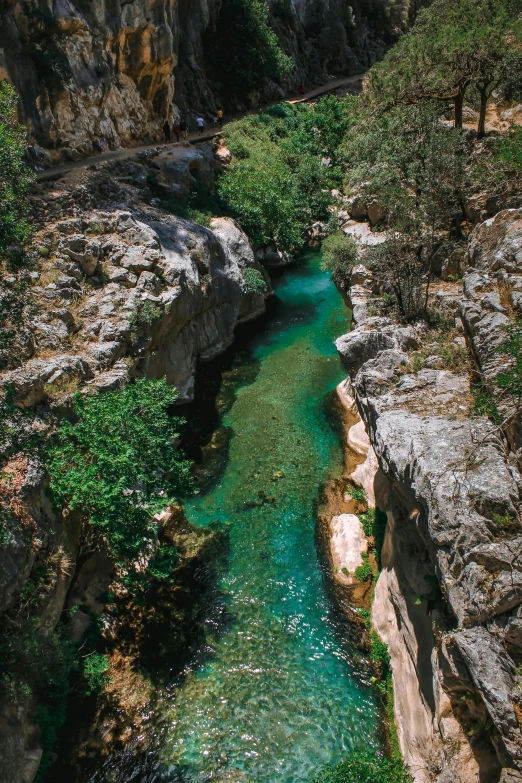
201,124
166,130
302,88
177,130
220,117
215,122
183,129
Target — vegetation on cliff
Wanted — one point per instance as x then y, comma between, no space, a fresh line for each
362,766
244,50
455,46
119,464
284,167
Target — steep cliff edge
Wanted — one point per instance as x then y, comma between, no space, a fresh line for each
93,75
119,289
447,600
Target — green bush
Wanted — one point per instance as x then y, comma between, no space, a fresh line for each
254,281
364,766
244,50
94,670
364,571
119,465
283,169
15,177
339,255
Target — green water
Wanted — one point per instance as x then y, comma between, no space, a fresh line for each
279,695
278,691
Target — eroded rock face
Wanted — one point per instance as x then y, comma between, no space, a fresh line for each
448,601
98,75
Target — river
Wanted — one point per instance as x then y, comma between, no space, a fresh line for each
279,692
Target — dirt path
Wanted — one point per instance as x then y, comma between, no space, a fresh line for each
194,138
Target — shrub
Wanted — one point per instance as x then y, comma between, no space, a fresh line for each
364,766
338,256
244,50
364,571
15,177
279,182
254,281
94,670
358,493
118,463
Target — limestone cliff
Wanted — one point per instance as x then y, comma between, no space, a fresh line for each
120,288
93,75
448,598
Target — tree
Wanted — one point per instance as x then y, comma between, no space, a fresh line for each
414,165
454,45
118,464
338,256
15,177
244,50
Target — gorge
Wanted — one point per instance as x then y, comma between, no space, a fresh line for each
261,393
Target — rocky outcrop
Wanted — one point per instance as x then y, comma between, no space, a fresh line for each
448,598
120,289
97,75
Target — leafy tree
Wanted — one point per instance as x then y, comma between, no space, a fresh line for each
453,45
363,766
254,281
119,465
338,256
15,177
415,166
284,166
244,50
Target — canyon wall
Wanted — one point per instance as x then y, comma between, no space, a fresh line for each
97,74
449,595
122,289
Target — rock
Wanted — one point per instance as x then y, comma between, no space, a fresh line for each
356,348
347,542
497,243
375,213
356,207
492,673
358,440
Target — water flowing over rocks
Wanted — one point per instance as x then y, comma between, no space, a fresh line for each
449,595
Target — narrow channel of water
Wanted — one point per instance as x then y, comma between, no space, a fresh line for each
279,693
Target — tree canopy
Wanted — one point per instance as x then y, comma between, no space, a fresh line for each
454,45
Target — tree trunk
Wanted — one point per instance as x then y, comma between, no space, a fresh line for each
459,104
481,130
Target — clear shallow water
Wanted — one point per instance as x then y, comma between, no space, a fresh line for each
279,696
277,693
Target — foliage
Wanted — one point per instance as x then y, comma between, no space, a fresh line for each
358,493
94,669
374,525
511,382
414,165
118,463
509,149
364,766
244,51
36,665
15,177
283,168
454,45
339,255
254,281
142,316
364,571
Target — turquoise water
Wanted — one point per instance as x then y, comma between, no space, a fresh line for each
278,695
